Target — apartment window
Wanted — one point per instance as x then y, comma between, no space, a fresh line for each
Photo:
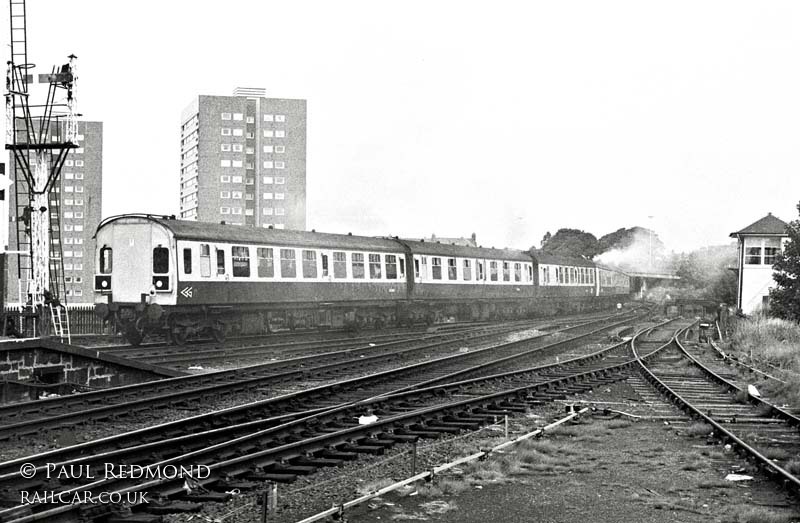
493,270
268,148
267,195
68,163
288,265
467,270
240,256
309,264
280,180
68,202
79,254
69,188
187,261
339,265
68,227
280,117
250,150
280,149
391,267
452,269
78,267
160,260
268,165
266,264
78,279
237,147
68,214
78,163
280,211
225,147
517,272
67,241
268,133
269,118
237,163
78,292
249,212
225,131
79,202
224,163
250,181
238,117
236,179
226,116
250,135
236,195
279,196
236,210
79,176
225,178
69,176
436,264
224,210
220,262
250,119
266,211
79,188
280,165
225,195
238,132
268,179
280,134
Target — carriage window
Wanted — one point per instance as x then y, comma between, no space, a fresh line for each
506,271
416,268
220,262
241,261
187,261
266,263
530,272
339,265
309,264
375,266
493,271
288,265
452,271
358,265
324,265
205,260
467,270
160,260
105,260
436,263
481,274
402,267
517,272
391,267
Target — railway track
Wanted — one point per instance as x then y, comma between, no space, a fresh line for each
55,413
758,430
325,437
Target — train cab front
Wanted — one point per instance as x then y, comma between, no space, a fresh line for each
134,279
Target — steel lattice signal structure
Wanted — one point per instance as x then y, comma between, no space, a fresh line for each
39,137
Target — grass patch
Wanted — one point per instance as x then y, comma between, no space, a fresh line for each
443,487
717,483
793,467
746,514
776,453
698,429
618,424
770,339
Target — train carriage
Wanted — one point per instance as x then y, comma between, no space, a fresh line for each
182,278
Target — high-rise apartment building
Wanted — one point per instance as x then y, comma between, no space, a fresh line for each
80,189
243,160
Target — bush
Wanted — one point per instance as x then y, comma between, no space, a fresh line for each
774,340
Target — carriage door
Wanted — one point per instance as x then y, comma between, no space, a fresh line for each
132,253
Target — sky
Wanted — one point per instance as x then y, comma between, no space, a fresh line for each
506,119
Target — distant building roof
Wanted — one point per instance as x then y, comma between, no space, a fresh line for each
769,225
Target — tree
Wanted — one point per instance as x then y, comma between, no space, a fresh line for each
784,300
545,238
570,242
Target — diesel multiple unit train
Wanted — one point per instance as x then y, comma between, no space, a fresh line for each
183,278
